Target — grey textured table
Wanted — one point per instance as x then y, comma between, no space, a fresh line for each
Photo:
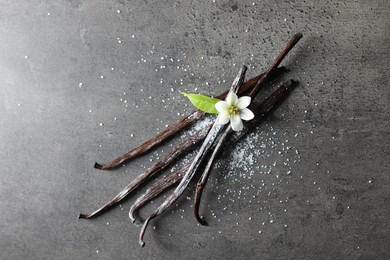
85,81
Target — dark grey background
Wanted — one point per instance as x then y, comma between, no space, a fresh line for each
85,81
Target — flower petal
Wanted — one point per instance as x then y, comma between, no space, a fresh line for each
236,123
223,118
231,99
243,102
246,114
221,106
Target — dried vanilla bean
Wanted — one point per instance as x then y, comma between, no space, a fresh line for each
202,181
149,144
178,126
204,149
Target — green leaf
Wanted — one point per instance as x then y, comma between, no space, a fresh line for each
204,103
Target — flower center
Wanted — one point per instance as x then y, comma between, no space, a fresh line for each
233,110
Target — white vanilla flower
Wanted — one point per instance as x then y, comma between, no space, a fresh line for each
235,110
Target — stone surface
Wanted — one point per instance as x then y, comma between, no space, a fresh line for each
82,81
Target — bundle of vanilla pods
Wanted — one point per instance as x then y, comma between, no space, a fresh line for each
213,137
